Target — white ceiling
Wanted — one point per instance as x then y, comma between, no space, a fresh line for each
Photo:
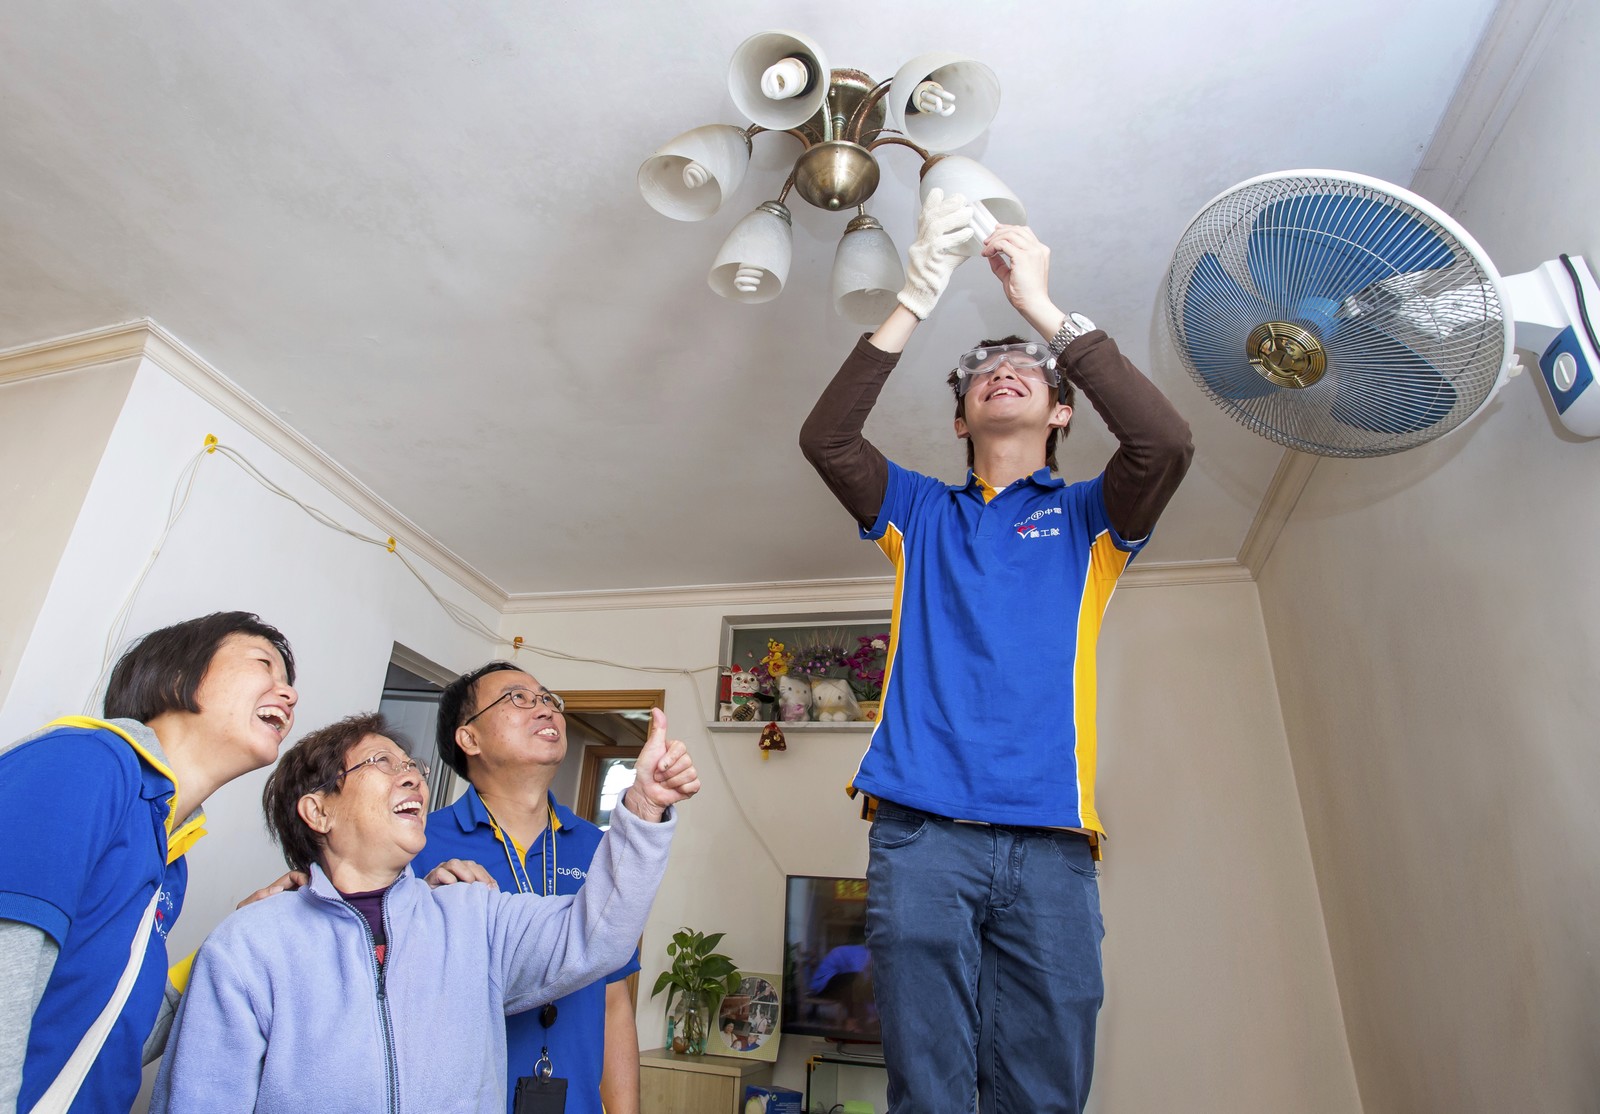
411,230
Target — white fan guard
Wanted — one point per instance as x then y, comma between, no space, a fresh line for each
1375,322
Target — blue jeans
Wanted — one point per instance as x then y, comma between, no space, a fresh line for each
985,963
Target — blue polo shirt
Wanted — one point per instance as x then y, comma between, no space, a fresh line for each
989,694
577,1039
85,822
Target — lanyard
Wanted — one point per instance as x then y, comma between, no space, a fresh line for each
547,854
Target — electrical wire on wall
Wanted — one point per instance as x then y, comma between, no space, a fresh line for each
459,615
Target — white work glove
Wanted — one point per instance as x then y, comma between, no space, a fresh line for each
945,224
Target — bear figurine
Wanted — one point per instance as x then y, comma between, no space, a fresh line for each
832,701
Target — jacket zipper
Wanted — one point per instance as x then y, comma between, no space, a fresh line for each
379,975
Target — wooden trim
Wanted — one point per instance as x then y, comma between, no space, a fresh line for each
589,779
615,700
605,700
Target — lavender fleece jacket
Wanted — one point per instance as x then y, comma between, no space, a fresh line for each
282,1011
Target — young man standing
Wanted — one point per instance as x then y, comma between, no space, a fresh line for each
506,734
983,907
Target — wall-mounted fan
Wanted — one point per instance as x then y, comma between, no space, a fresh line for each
1344,316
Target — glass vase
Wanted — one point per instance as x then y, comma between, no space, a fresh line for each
690,1023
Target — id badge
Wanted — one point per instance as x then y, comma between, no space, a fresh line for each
538,1095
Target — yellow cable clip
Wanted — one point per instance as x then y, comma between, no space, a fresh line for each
516,644
211,443
391,545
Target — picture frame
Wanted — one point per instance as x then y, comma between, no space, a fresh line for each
749,1021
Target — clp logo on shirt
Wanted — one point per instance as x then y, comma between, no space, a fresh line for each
164,913
1030,528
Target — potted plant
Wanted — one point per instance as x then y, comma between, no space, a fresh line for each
698,977
866,666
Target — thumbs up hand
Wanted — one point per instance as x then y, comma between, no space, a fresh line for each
663,775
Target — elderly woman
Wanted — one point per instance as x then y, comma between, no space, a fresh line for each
95,817
366,989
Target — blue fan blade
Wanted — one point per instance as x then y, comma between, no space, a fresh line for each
1218,315
1308,253
1381,385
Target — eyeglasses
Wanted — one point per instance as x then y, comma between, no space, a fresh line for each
385,762
1030,361
524,699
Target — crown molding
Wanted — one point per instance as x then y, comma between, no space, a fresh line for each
873,591
148,340
1512,47
93,348
1177,574
1288,482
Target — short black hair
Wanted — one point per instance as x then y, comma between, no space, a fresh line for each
162,671
454,704
309,765
1065,396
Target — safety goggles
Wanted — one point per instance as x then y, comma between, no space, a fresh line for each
1029,361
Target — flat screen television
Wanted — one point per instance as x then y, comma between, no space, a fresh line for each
827,971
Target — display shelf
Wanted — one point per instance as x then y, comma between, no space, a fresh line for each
803,726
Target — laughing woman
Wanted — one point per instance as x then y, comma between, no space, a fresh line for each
366,990
95,817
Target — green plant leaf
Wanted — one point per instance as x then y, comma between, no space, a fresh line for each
717,967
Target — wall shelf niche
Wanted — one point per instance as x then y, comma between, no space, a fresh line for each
745,640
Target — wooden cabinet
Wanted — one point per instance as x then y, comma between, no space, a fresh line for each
671,1083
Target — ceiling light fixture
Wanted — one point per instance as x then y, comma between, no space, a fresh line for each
781,81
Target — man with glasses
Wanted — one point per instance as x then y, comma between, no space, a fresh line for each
983,915
506,734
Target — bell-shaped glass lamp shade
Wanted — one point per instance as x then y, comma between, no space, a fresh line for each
691,176
867,274
959,174
779,79
959,111
753,263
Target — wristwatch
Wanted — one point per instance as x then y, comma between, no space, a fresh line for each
1073,327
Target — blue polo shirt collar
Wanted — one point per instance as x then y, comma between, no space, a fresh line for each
471,814
157,782
1043,478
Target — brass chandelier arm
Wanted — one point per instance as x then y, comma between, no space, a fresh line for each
806,141
783,194
852,128
901,140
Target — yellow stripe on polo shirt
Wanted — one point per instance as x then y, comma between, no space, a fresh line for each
1106,563
893,545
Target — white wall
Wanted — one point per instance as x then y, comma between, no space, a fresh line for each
1217,967
1220,984
52,431
342,604
1434,628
